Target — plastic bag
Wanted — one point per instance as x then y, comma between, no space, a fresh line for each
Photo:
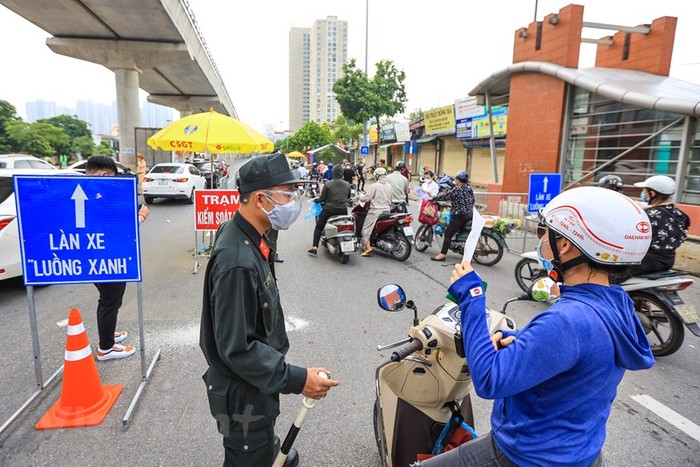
429,212
314,212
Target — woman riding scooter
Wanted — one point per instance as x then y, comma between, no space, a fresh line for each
334,198
554,381
462,198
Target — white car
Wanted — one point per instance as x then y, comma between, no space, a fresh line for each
10,260
23,161
172,180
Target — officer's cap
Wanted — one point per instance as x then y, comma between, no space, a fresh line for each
264,172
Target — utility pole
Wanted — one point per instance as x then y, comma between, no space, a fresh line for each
365,135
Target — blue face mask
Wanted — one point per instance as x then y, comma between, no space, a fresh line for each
545,262
282,216
643,196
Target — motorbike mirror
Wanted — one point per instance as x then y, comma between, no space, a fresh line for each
391,297
543,290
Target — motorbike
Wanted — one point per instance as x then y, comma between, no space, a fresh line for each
489,249
392,233
423,390
338,237
657,303
313,189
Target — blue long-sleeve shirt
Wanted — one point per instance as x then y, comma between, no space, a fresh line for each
553,387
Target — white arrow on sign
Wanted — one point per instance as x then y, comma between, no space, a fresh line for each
79,197
546,181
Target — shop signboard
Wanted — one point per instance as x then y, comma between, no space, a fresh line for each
440,121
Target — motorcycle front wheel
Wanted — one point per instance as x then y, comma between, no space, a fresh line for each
663,328
528,271
424,237
489,250
402,248
379,433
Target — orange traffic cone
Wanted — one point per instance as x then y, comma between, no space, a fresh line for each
84,400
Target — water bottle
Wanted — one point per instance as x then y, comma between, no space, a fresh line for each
202,248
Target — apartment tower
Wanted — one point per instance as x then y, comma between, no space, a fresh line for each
316,59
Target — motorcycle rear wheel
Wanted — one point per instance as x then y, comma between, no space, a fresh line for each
344,259
402,249
489,250
528,271
663,328
424,237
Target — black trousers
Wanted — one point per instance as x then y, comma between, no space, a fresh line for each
111,295
360,183
452,228
321,220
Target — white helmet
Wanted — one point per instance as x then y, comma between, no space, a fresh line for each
607,226
660,184
378,172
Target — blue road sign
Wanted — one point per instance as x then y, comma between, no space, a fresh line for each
543,187
75,229
364,149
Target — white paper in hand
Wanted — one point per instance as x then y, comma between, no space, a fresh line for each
421,193
470,245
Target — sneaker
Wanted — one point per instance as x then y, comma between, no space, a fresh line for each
120,336
118,351
312,251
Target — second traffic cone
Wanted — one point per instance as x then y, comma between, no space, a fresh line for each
84,400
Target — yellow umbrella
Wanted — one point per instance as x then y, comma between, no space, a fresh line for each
296,155
211,133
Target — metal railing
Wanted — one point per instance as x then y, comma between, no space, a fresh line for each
509,206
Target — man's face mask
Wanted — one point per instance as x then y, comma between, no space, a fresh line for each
282,216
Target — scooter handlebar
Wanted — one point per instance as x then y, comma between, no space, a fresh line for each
414,346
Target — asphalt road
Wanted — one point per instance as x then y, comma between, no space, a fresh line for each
333,321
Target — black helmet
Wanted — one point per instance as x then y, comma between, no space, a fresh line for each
611,182
400,165
462,176
315,164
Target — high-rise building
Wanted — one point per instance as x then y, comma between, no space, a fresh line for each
316,59
37,110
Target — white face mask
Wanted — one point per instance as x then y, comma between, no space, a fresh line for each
282,216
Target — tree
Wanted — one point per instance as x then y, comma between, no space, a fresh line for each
361,99
104,149
309,136
85,146
415,115
40,139
73,126
346,130
8,114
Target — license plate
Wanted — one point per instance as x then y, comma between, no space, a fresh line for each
162,182
688,313
408,231
347,247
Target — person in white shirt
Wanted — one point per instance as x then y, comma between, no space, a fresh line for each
429,186
302,171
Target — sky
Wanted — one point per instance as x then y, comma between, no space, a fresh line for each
446,47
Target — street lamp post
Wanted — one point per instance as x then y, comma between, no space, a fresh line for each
365,136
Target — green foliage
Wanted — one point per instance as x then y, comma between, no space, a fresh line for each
8,114
73,126
415,115
84,145
346,130
104,149
309,136
361,99
40,139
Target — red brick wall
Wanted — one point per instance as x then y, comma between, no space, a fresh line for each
534,122
560,43
651,53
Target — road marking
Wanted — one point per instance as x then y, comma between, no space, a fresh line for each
674,418
294,324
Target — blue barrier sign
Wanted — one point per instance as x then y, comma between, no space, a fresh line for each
76,230
543,188
364,149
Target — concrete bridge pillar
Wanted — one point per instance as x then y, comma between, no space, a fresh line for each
127,81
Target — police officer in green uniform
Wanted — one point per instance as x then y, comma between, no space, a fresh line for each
242,334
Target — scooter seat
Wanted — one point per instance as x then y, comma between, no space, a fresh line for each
385,215
661,275
339,217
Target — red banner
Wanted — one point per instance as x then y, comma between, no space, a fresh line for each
214,207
